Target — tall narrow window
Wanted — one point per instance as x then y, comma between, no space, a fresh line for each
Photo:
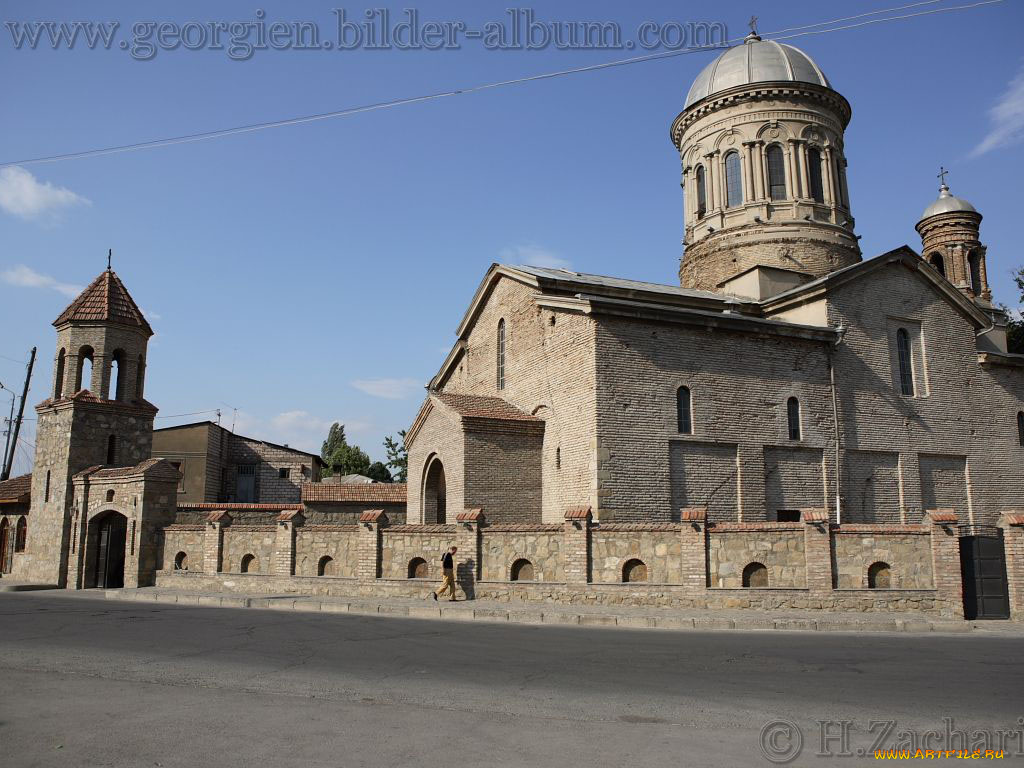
1020,427
684,415
974,265
903,349
501,354
112,449
776,172
58,384
702,193
840,193
733,180
118,375
21,531
937,262
140,375
46,488
814,174
793,417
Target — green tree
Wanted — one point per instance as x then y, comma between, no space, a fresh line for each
340,457
1015,329
379,472
398,457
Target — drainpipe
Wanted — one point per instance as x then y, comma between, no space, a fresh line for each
840,333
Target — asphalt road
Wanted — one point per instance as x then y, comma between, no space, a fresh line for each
85,681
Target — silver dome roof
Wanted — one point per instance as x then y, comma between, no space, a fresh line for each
947,203
755,61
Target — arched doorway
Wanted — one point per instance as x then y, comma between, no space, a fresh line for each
108,552
5,535
434,492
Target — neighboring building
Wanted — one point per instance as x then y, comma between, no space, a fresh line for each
219,466
15,499
342,503
784,373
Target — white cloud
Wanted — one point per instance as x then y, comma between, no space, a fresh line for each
26,277
23,195
1007,117
389,389
534,256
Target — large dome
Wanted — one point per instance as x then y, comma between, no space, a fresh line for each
756,61
947,203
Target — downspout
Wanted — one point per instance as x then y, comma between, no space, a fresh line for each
840,332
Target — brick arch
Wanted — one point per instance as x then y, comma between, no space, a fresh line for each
538,574
632,561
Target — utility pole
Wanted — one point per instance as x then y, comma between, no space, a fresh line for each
10,426
6,474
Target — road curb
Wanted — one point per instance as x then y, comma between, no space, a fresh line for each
545,615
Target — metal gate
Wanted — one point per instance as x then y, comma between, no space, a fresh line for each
983,568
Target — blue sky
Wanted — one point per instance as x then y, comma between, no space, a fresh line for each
316,273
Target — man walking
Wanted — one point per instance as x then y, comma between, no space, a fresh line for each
448,568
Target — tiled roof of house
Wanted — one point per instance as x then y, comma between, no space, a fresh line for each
105,300
483,407
16,488
387,493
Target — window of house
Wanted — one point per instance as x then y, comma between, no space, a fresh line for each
839,182
776,172
1020,427
904,350
787,515
793,418
733,180
112,449
58,384
937,262
684,415
46,488
974,266
702,192
20,532
501,355
814,175
284,473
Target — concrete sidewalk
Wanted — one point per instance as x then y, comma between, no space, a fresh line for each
631,617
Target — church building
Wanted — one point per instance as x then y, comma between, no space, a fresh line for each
784,372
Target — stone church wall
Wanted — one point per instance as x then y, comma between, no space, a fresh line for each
182,538
810,565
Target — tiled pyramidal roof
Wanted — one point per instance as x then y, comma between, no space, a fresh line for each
106,300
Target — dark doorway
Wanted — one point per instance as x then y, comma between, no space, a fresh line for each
983,568
5,535
111,533
434,493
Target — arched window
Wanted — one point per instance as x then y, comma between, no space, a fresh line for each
110,496
326,566
840,193
83,378
776,172
634,570
974,266
140,377
117,375
522,570
20,532
418,568
702,193
112,450
58,384
733,180
793,418
46,487
879,576
501,354
903,349
937,261
684,416
755,575
1020,427
181,561
249,564
814,175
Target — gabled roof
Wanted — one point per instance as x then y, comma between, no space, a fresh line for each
383,493
106,300
156,468
16,489
483,407
904,255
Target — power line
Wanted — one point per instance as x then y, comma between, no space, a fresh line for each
249,128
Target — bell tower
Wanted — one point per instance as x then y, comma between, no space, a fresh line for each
950,230
95,416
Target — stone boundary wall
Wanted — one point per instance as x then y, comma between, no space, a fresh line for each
692,563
